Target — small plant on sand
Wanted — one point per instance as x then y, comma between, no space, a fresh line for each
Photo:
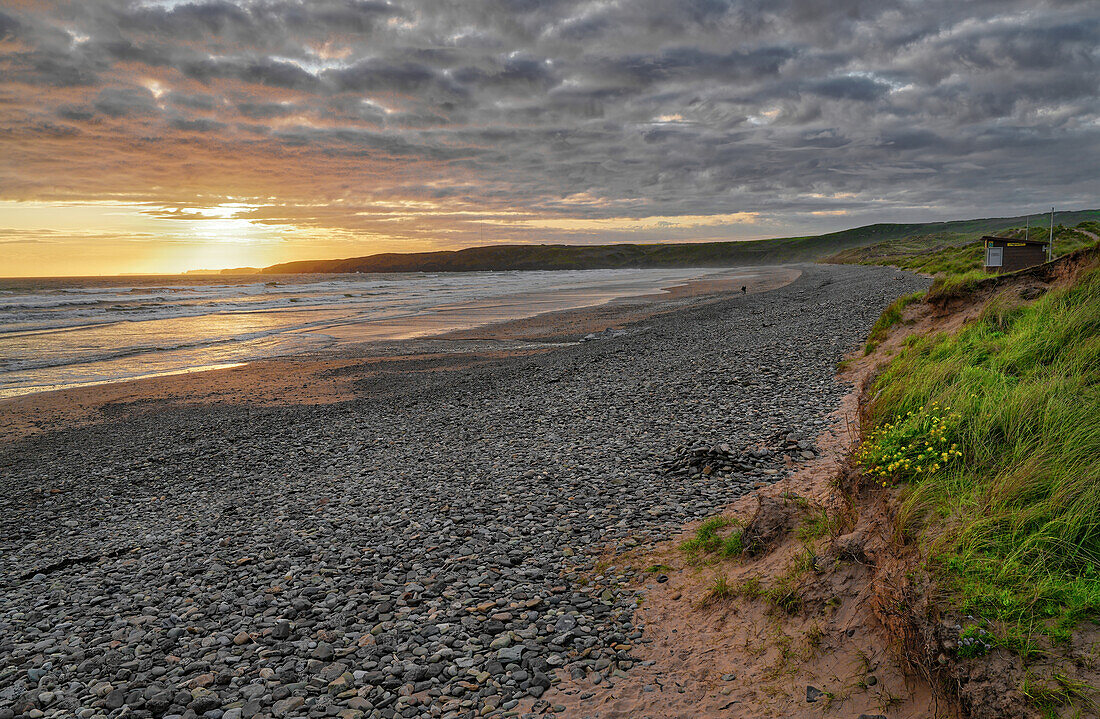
785,595
1051,695
751,587
707,540
656,568
803,562
814,636
818,524
974,642
719,590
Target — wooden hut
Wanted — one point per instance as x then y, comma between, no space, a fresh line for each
1004,254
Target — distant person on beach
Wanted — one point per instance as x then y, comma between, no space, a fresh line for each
744,289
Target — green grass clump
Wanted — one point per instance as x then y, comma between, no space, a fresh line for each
1051,695
783,594
719,590
890,317
818,524
1011,518
949,287
707,539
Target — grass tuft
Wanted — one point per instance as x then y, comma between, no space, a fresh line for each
953,286
720,590
890,317
707,539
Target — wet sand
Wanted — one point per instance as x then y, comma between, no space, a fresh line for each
328,377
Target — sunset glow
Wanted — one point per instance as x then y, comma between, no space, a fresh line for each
163,136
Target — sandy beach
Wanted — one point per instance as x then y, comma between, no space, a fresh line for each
413,528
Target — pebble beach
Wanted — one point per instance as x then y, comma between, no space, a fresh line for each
438,543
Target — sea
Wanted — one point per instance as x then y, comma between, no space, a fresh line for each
57,333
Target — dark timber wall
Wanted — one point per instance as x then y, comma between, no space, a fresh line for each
1013,254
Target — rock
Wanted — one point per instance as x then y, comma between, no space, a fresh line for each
115,699
813,694
851,547
509,655
159,702
285,707
281,630
204,703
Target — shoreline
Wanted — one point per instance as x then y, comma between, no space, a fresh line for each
321,377
435,543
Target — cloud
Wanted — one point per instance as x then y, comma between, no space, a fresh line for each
861,89
723,109
125,102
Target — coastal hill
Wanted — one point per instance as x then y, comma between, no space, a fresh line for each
684,254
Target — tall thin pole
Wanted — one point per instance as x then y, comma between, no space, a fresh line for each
1027,227
1050,242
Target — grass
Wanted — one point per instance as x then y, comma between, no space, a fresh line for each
954,286
1050,695
889,317
995,433
708,541
783,594
819,524
719,590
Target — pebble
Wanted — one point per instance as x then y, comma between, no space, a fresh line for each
427,550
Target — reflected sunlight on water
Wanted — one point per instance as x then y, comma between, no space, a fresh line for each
66,332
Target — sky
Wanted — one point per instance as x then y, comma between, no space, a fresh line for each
162,136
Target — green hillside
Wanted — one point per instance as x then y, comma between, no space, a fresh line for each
703,254
958,252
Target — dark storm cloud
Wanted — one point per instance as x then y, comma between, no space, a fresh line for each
637,107
850,88
9,26
196,125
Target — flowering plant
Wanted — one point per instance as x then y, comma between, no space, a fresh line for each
920,443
